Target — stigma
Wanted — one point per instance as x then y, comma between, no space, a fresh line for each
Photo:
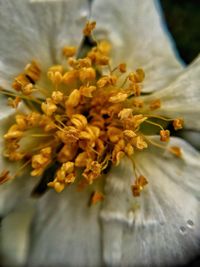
89,116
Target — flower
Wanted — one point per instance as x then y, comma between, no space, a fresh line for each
161,224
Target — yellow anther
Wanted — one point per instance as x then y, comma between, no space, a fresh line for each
56,68
15,156
92,171
70,134
164,135
55,77
129,134
106,80
41,161
20,82
117,156
139,142
81,160
57,97
21,121
70,77
69,51
87,75
138,186
59,187
137,76
80,63
138,120
89,27
156,104
114,134
14,103
87,90
84,135
46,152
118,98
79,121
46,123
65,174
33,71
27,89
93,130
104,47
178,124
129,150
33,119
125,113
122,67
135,89
68,152
102,60
73,99
13,133
48,107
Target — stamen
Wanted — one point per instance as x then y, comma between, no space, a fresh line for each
83,120
154,123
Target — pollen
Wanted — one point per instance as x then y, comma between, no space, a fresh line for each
178,124
86,116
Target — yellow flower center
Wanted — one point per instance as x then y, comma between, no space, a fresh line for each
93,117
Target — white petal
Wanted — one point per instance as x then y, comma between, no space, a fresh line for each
137,34
14,235
166,228
192,137
66,231
37,30
114,214
182,97
12,193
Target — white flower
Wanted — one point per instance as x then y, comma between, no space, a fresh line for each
162,226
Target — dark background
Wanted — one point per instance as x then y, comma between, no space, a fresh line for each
183,21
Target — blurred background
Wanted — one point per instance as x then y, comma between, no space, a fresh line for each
183,21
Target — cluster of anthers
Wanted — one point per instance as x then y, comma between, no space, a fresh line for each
88,117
